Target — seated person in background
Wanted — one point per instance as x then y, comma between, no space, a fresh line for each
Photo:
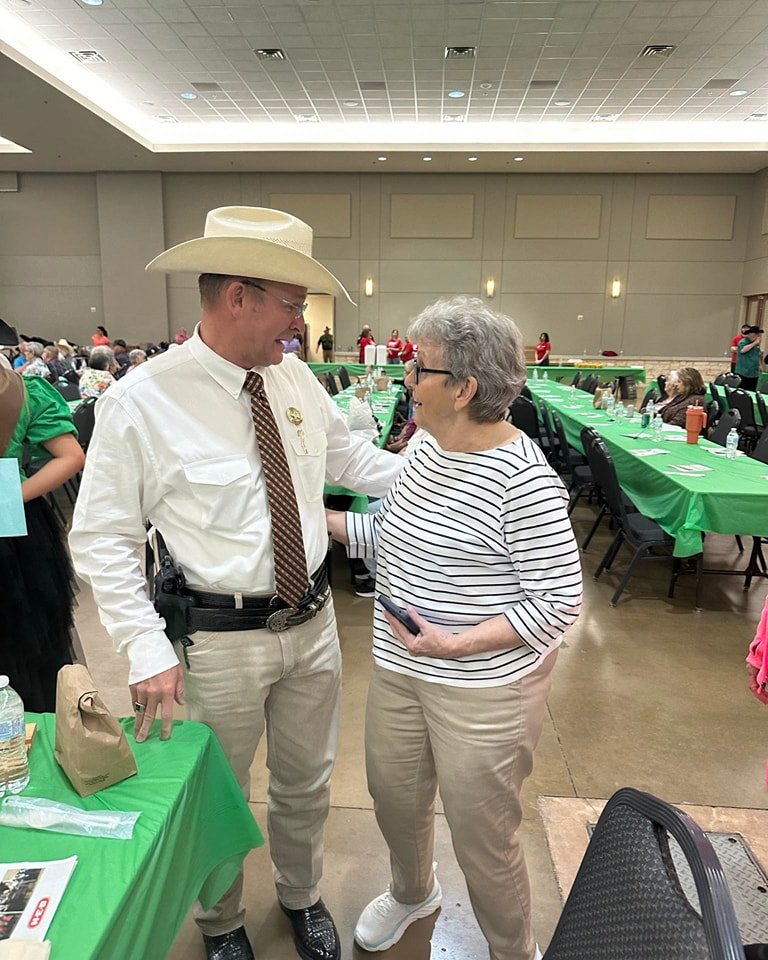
99,374
136,357
684,387
34,365
56,367
120,350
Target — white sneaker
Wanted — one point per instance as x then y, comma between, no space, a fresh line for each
385,920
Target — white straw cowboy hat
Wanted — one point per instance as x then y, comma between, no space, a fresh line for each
252,242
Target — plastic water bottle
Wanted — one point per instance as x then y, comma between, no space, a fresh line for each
535,373
647,415
731,444
545,376
14,769
610,403
572,396
657,427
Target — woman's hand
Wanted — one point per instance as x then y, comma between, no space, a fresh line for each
429,641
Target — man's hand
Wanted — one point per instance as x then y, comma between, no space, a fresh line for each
757,688
160,690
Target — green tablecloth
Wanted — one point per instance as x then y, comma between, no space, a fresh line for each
384,405
127,899
566,372
730,498
396,370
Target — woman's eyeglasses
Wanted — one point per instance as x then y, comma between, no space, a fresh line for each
413,367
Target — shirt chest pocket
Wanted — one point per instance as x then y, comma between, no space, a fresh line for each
307,454
222,490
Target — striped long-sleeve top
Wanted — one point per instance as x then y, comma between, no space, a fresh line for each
464,537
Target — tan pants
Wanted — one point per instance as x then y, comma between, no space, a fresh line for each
327,356
477,745
289,683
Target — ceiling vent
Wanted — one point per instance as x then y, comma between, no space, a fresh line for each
373,85
207,87
543,84
460,53
719,84
757,116
453,118
658,50
269,53
604,118
88,56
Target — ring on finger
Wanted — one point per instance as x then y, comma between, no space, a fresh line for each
139,707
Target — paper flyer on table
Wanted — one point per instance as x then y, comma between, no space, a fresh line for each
30,894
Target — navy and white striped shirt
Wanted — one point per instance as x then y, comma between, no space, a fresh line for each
463,537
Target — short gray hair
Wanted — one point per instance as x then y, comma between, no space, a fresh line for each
34,347
135,355
101,358
476,342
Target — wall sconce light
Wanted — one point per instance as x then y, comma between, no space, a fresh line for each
616,289
368,287
490,287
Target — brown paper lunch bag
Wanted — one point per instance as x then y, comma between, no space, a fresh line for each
90,744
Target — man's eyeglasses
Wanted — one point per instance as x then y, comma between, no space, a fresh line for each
418,371
296,310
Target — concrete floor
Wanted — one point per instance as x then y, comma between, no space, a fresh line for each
649,694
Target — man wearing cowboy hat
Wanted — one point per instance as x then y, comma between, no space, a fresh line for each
224,444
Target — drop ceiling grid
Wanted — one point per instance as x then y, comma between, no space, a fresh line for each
157,50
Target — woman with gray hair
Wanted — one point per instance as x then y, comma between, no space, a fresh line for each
99,375
475,542
35,366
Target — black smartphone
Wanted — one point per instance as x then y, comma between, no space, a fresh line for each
399,614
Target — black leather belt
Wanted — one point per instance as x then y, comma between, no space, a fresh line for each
229,612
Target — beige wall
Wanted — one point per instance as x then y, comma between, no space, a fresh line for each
686,248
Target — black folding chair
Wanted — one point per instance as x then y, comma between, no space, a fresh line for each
732,380
590,384
628,901
581,481
717,397
748,428
554,454
637,531
651,394
577,379
70,391
84,418
343,374
333,387
763,388
713,412
720,379
522,413
762,408
728,421
661,380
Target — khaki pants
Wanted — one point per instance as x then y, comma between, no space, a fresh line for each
288,683
476,745
327,356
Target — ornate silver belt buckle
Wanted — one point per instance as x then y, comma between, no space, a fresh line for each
278,621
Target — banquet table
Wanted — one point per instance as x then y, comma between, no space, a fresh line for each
395,370
127,899
728,496
567,371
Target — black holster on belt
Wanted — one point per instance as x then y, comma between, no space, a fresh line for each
168,584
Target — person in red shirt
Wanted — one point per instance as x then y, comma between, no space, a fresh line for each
408,351
364,340
735,344
542,350
394,346
100,338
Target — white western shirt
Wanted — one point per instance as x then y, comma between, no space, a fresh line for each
174,444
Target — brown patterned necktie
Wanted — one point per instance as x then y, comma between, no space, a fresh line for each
291,580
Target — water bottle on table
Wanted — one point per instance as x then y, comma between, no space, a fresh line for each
14,769
657,426
731,444
610,403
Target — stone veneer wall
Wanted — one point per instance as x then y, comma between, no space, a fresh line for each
708,367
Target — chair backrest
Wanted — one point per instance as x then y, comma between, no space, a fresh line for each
343,374
763,388
714,392
526,392
627,900
732,380
557,458
761,447
713,412
652,393
590,384
333,388
742,401
604,472
761,406
70,391
523,414
720,379
84,418
730,420
577,379
661,380
562,442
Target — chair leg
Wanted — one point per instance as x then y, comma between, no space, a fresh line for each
639,553
610,555
739,544
595,525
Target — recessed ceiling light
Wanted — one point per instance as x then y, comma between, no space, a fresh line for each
518,159
426,158
269,53
188,95
20,3
351,103
456,94
604,118
486,86
453,118
307,118
381,158
92,3
164,118
471,159
738,93
562,103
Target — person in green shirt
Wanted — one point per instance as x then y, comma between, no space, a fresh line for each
325,343
36,620
748,358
